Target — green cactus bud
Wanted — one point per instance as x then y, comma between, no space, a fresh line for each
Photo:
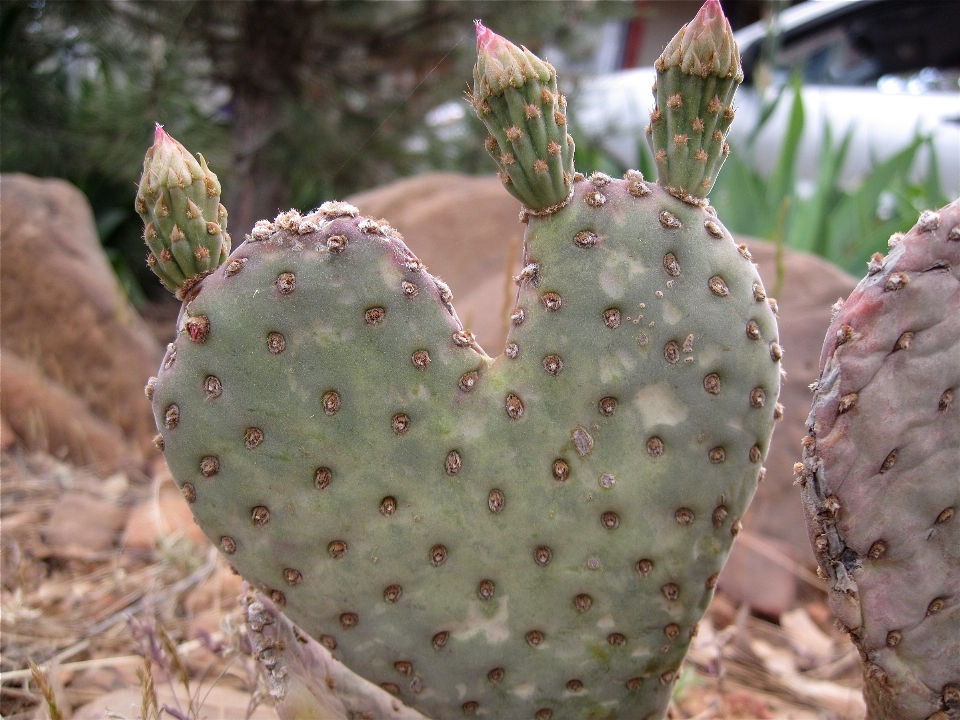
185,225
880,471
515,95
697,76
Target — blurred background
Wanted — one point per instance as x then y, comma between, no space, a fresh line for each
293,103
848,126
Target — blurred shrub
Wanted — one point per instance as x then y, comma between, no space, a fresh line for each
291,102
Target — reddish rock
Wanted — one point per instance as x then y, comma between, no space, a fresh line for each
207,603
42,415
752,577
165,515
83,523
62,309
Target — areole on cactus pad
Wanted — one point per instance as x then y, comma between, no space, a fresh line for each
529,536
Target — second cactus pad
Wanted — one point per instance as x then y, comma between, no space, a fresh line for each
531,536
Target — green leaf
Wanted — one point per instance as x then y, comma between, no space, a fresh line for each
854,230
809,229
782,181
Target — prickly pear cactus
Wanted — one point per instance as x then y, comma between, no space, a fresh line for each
880,478
531,536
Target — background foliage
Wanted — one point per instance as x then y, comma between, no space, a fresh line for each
292,102
297,102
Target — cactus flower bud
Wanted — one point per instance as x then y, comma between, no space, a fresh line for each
501,64
697,76
179,201
705,46
515,95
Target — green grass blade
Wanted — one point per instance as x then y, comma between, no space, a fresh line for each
783,178
854,230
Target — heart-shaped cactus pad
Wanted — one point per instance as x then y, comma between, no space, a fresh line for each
531,536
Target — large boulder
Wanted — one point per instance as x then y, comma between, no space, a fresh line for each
466,230
75,350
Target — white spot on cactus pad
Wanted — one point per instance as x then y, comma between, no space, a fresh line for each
610,283
470,427
524,691
708,546
420,393
330,333
496,628
659,405
709,355
671,313
615,367
616,268
606,623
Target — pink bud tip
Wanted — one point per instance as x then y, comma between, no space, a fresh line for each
160,134
484,35
710,12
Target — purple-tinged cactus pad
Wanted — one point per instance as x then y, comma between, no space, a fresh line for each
881,471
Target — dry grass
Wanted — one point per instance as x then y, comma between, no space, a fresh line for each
88,618
77,621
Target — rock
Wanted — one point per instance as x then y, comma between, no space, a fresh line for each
165,515
752,577
42,415
8,436
466,230
746,704
62,309
810,286
85,523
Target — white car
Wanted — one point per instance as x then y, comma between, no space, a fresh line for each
889,68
